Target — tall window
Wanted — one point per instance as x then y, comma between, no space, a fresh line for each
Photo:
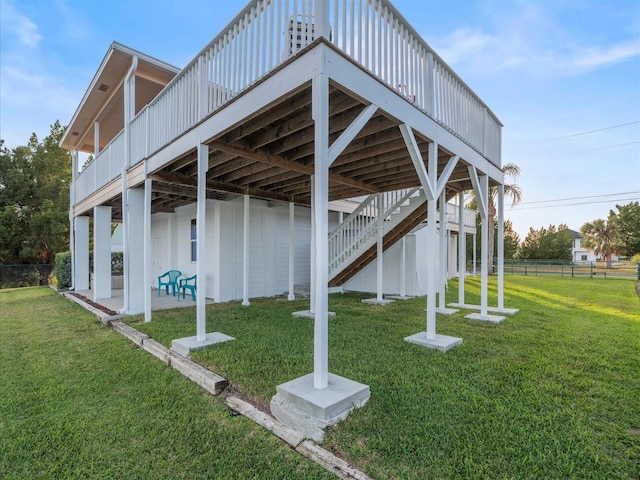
194,240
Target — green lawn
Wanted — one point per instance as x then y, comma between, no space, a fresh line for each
554,392
77,400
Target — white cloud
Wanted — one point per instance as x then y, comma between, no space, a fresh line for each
595,57
25,30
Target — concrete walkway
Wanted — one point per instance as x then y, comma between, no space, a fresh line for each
163,302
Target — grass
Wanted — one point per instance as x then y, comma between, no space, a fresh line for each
78,400
554,392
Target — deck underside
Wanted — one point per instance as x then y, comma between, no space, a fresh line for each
269,151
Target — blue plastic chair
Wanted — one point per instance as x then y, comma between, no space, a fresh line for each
169,279
187,284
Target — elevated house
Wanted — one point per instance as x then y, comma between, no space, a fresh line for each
304,141
581,254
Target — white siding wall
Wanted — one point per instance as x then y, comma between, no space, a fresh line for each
365,280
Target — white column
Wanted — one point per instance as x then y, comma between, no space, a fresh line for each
96,138
442,250
72,202
312,264
462,249
379,254
403,269
320,199
147,248
101,252
136,251
475,257
245,252
484,243
292,208
126,266
81,253
501,246
201,314
432,242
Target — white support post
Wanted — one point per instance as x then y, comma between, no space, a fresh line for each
72,202
442,252
136,250
203,167
101,252
245,252
379,252
96,138
432,242
125,241
403,269
462,249
148,259
475,256
501,247
484,243
292,207
81,253
320,199
312,265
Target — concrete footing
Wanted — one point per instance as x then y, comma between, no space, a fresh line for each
486,318
377,301
446,311
308,410
309,314
188,344
441,342
398,297
504,311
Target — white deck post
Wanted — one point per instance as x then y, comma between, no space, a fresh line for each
403,269
72,202
201,314
292,207
312,264
501,247
101,252
432,242
135,245
379,252
475,256
484,244
245,252
320,199
462,249
148,258
442,251
81,253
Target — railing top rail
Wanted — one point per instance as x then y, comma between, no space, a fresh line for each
407,25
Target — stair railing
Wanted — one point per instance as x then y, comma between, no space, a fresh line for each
360,228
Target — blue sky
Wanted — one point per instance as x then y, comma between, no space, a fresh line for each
562,76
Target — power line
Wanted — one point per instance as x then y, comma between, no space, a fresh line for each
605,148
617,200
598,130
579,198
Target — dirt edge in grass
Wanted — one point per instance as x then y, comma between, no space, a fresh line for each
236,401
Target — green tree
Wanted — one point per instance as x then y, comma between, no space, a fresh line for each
627,225
547,244
510,190
34,200
602,237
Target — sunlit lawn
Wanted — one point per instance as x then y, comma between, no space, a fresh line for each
78,401
554,392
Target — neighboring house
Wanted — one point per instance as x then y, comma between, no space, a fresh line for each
581,254
242,167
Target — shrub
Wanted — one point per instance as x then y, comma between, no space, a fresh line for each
63,270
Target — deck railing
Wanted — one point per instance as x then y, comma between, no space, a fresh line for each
105,166
268,32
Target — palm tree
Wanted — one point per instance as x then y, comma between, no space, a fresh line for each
511,190
600,236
